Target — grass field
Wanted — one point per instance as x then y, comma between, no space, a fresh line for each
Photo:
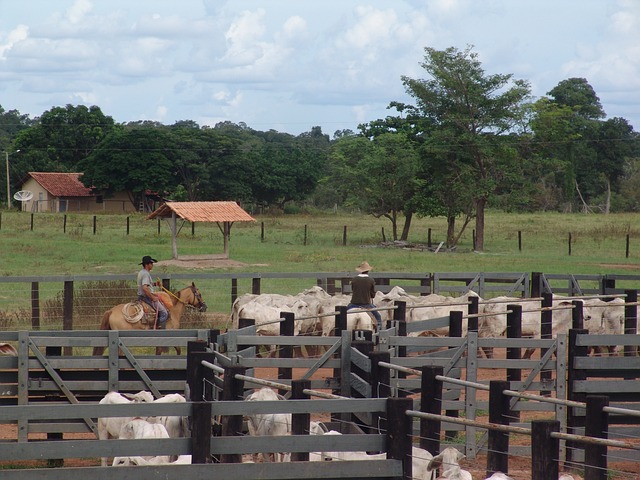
38,245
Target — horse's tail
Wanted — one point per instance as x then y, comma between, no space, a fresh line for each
104,325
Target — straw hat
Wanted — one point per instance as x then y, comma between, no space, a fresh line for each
364,267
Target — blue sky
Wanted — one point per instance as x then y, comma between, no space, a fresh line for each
290,65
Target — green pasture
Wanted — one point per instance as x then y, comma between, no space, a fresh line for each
42,244
37,245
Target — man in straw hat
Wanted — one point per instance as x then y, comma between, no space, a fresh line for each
147,294
363,289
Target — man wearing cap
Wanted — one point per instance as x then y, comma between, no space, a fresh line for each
363,289
146,293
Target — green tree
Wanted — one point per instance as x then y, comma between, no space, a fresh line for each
133,160
474,109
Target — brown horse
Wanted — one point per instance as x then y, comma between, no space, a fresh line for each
114,319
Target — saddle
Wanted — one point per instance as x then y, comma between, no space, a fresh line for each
139,311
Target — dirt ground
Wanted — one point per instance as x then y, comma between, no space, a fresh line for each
206,261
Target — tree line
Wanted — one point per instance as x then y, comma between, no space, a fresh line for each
469,141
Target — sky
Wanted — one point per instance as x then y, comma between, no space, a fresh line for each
290,65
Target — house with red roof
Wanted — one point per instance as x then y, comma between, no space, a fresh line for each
64,192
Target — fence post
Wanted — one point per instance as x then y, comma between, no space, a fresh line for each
196,352
232,390
67,310
544,449
201,432
399,318
546,322
472,322
380,385
286,351
35,305
596,425
514,330
399,433
536,284
255,285
498,443
455,331
430,402
234,289
300,421
630,320
344,236
577,314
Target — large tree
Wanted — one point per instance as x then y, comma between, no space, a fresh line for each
133,160
475,109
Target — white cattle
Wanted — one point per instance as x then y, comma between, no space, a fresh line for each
267,318
159,460
449,460
438,306
177,426
499,476
606,318
327,312
139,428
109,427
494,321
264,424
7,349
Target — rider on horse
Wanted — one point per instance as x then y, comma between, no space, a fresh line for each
147,294
363,289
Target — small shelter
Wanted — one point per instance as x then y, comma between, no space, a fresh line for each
223,213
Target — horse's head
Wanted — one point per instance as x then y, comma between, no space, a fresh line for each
197,300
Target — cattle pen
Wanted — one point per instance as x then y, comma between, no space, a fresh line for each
377,388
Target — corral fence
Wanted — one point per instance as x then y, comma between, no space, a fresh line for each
356,365
78,302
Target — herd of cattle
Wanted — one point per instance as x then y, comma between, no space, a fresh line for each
314,311
424,465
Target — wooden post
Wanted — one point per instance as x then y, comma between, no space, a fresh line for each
577,314
546,332
255,285
627,249
569,243
519,240
262,231
514,330
455,331
287,327
344,236
597,425
32,222
300,421
399,433
174,236
304,242
574,375
35,305
95,224
201,432
630,320
430,402
64,224
158,225
399,318
67,310
193,228
474,307
232,390
498,443
234,289
545,449
536,284
53,436
127,225
195,349
380,385
429,238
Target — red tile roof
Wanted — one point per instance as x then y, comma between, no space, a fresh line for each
204,212
61,184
